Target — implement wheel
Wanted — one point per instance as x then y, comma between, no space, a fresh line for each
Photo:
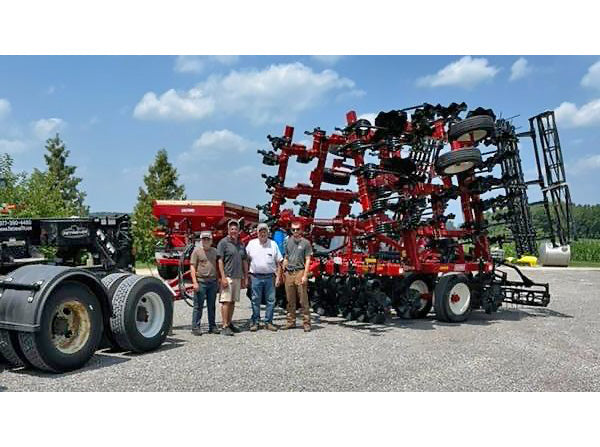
412,305
70,330
458,161
472,129
452,298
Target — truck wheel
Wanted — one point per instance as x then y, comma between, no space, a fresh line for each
70,330
167,271
112,282
475,129
458,161
336,177
10,351
452,299
142,313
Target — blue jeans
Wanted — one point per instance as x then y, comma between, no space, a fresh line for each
263,285
207,290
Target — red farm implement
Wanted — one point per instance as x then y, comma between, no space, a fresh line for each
180,222
399,250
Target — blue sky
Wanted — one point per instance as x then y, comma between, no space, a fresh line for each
213,113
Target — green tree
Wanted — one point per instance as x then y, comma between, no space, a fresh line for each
10,183
160,184
39,197
64,176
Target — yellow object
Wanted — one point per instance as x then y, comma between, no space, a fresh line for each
531,261
510,259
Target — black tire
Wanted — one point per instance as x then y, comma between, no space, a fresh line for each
137,300
167,271
458,161
336,177
10,351
112,282
422,283
446,309
476,127
40,348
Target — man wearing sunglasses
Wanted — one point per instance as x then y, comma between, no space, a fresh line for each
296,263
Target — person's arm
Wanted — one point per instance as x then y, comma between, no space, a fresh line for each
306,264
224,283
279,262
193,271
245,277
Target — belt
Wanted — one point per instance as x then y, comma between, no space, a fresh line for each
262,274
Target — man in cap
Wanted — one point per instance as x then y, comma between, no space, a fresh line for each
265,271
233,268
203,269
296,264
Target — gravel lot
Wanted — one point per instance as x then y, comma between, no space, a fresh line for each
517,349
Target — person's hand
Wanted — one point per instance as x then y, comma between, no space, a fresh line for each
195,286
278,281
304,279
224,283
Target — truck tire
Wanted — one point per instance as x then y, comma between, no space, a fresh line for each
452,298
167,272
142,313
458,161
476,128
112,282
336,177
10,351
70,330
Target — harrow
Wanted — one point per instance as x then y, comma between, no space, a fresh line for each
399,250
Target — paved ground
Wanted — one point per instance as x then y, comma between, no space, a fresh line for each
517,349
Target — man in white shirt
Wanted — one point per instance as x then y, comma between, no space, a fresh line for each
265,271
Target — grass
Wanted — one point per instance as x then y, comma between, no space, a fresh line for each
584,264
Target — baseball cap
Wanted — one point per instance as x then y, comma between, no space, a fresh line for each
233,222
262,226
206,234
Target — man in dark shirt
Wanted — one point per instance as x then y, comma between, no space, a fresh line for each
233,268
296,264
203,269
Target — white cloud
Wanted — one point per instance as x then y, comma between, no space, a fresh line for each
520,69
197,64
45,128
592,77
274,94
13,146
569,115
584,164
215,144
466,72
4,108
327,59
171,105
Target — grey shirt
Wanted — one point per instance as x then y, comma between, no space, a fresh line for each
296,253
232,254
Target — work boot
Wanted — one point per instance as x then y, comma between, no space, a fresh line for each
196,331
289,326
214,330
271,327
254,327
234,329
307,328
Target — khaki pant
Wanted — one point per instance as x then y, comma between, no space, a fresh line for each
293,290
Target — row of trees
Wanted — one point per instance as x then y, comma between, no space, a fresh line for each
42,193
55,192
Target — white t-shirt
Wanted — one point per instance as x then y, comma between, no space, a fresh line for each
263,258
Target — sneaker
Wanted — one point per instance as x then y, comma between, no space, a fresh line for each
271,327
234,329
306,328
214,330
227,331
196,331
254,327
